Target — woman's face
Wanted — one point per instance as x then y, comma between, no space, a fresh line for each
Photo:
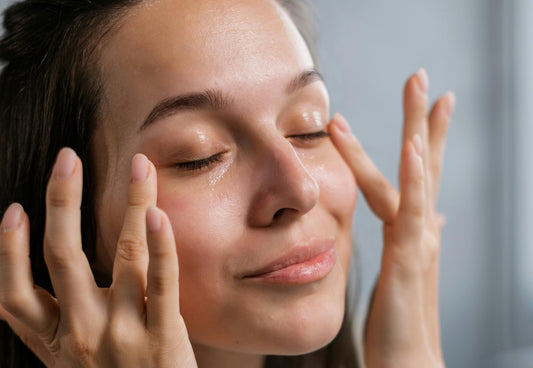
221,96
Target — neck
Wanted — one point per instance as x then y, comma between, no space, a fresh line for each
208,357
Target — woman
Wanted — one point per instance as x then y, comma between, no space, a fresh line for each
202,133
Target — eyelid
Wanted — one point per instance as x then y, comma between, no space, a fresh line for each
200,164
310,136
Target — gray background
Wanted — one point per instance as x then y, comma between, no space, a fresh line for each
478,49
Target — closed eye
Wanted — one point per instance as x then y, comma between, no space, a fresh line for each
200,164
310,136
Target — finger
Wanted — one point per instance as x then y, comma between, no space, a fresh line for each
131,259
69,269
381,196
415,105
439,120
409,228
30,306
162,291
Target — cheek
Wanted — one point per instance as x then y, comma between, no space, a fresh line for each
338,197
338,189
205,223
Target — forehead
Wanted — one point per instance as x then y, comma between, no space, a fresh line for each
168,47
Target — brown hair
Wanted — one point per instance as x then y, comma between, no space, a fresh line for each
50,98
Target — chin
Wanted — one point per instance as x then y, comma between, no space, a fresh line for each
309,333
297,328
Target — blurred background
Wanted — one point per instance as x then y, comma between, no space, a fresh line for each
483,51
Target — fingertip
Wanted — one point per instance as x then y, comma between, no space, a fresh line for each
142,191
140,168
450,103
423,80
415,97
153,219
341,123
65,163
13,218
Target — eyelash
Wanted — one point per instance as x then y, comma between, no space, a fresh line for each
199,164
311,136
206,162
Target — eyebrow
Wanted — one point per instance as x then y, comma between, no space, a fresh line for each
214,99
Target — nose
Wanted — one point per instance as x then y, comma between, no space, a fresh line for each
285,188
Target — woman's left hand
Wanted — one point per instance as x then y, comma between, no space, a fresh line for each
402,329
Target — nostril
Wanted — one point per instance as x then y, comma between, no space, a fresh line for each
279,213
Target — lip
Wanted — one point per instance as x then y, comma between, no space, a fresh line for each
301,265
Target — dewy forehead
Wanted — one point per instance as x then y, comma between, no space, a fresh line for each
209,31
171,47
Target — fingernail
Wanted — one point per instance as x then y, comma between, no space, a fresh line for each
12,218
423,80
451,103
65,163
417,142
342,124
153,219
140,168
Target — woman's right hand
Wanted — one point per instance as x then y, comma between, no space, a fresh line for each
135,322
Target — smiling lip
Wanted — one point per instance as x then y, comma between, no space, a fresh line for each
302,265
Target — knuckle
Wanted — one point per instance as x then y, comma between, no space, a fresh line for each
8,251
121,337
132,248
159,252
138,197
417,210
60,196
59,200
6,255
160,283
417,180
58,258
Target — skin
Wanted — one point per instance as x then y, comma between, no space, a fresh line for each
403,328
273,187
271,190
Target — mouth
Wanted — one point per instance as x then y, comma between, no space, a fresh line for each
301,265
